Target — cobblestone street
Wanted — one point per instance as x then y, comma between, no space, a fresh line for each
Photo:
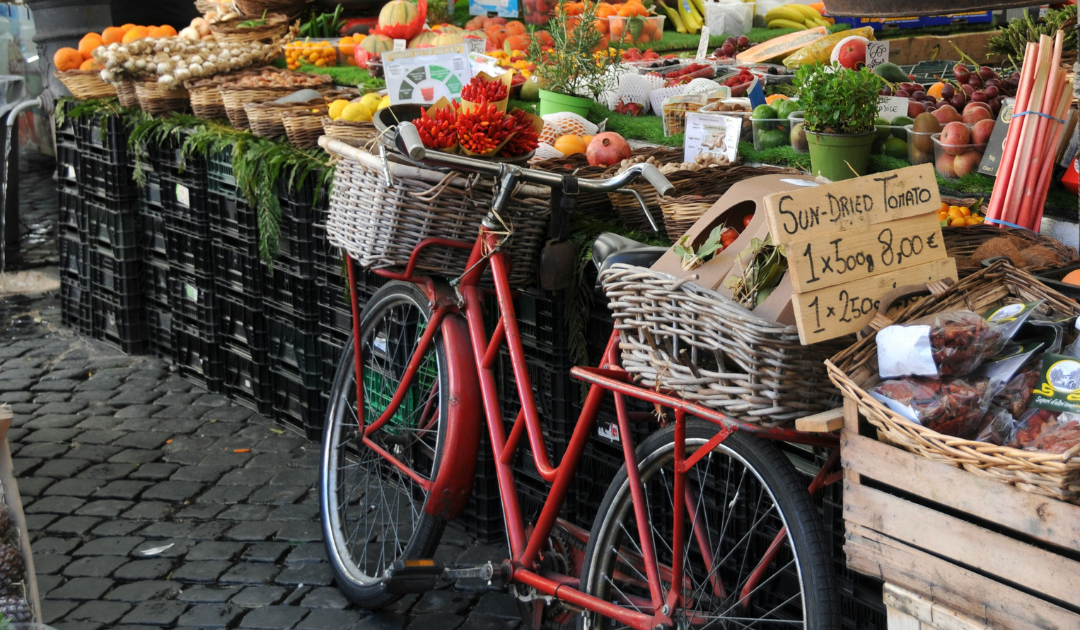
153,504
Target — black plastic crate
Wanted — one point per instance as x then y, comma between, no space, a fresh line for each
72,217
152,197
233,218
68,162
303,199
191,298
107,179
295,350
122,278
237,271
188,252
556,395
153,237
296,403
219,171
75,305
247,378
113,228
155,283
241,325
120,321
167,159
484,530
199,359
105,137
330,351
74,260
296,248
595,473
291,292
159,331
67,133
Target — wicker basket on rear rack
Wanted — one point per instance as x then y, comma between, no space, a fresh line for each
304,128
855,371
707,348
156,98
86,84
379,224
125,93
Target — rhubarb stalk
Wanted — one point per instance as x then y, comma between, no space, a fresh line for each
1028,127
1005,169
1055,85
1041,190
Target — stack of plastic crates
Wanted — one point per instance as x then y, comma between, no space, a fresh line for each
155,255
291,303
185,201
239,287
72,231
110,200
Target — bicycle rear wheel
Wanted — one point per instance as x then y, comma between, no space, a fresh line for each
743,499
372,512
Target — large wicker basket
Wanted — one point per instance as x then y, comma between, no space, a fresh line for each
236,96
361,132
304,128
125,93
230,32
681,213
86,84
255,8
380,224
707,348
155,98
855,371
961,243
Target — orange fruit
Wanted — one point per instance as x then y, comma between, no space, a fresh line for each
570,144
1073,277
112,35
89,43
587,140
515,28
67,59
935,89
165,31
127,27
136,33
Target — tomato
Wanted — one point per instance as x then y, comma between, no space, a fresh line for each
746,220
728,237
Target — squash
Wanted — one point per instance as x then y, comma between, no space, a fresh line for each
397,13
67,59
371,48
423,40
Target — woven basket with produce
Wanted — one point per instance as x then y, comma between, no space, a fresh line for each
86,84
157,98
268,85
243,30
304,128
955,380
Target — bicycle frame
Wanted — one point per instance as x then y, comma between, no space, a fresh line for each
525,549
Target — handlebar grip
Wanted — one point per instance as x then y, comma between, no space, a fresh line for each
657,179
410,137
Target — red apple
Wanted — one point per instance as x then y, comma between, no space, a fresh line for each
914,108
850,52
955,137
967,162
975,112
945,166
980,133
947,114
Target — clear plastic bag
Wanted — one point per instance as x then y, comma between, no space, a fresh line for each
734,18
949,406
1048,432
996,427
943,344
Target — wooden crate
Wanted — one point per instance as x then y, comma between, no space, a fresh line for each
908,611
1001,556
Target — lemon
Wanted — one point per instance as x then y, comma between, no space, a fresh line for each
337,107
385,102
371,100
356,112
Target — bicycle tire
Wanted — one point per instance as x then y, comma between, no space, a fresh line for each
366,587
809,549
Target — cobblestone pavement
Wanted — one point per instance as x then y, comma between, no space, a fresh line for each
153,504
38,211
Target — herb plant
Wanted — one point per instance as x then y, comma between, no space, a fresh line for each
837,99
691,258
578,64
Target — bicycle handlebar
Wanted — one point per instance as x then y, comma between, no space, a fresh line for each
414,148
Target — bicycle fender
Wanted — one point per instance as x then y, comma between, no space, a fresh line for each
454,481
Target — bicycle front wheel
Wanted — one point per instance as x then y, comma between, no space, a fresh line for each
372,511
755,550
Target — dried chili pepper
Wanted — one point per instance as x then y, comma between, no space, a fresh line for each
480,90
525,137
483,129
439,132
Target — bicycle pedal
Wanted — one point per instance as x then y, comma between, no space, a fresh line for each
413,576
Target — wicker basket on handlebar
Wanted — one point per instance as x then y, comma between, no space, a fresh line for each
855,372
677,336
380,224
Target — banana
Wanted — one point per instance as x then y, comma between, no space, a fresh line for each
785,12
673,15
700,6
807,12
782,23
810,23
689,16
813,12
818,22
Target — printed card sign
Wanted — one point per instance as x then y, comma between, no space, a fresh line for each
703,45
424,75
711,133
877,53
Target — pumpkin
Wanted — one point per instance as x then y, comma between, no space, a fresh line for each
371,48
89,43
423,40
496,35
515,28
67,59
401,19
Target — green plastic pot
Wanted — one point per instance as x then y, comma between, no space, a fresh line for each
840,156
554,102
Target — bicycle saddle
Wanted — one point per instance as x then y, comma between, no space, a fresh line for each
611,248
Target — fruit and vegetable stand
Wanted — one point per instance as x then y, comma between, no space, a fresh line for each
202,239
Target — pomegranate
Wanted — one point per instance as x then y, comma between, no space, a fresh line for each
850,52
607,149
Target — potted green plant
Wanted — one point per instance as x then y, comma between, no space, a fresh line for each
574,67
839,107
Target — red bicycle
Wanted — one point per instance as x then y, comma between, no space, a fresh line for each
707,524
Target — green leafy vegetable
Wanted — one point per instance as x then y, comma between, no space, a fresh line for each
323,25
692,259
254,23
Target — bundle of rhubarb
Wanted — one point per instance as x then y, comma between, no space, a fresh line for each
479,126
1027,163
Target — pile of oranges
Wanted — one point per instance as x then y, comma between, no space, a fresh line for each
347,47
957,216
83,57
320,54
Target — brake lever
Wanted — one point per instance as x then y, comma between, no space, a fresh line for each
644,208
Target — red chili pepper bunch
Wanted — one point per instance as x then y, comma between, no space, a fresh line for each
439,132
484,128
525,137
480,90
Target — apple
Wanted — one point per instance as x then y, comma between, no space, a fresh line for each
980,133
967,162
945,166
974,112
955,138
947,114
914,108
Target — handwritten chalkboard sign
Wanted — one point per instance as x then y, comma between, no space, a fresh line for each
851,242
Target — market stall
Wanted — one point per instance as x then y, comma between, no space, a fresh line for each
198,168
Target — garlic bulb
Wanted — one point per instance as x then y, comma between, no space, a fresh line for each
166,79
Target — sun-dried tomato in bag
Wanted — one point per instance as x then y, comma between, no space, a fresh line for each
1047,431
942,345
949,406
1016,394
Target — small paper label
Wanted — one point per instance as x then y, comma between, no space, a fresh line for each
703,44
1058,388
191,293
609,431
475,45
71,172
183,196
400,44
877,53
890,107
